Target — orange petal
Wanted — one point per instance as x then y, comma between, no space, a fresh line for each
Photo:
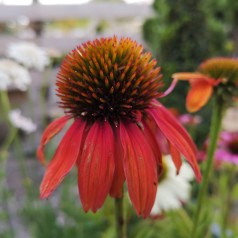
116,190
193,77
96,166
176,134
140,168
64,159
187,76
53,129
198,95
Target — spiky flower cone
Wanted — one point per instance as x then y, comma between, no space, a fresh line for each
108,80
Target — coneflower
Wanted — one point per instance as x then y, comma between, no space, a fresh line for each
216,74
109,88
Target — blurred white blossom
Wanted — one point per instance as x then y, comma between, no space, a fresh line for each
11,73
29,54
21,122
4,80
230,119
173,190
149,2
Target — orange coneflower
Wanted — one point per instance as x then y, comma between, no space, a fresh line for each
109,88
216,73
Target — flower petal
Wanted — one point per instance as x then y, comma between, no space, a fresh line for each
175,157
140,168
198,95
176,134
193,77
187,76
53,129
119,175
150,135
96,166
64,158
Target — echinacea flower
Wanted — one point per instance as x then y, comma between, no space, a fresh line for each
227,150
29,54
13,74
21,122
109,88
220,74
173,190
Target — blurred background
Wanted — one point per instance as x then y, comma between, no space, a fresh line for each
179,33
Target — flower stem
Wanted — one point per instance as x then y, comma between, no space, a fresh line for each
5,103
43,95
227,201
217,114
4,147
120,218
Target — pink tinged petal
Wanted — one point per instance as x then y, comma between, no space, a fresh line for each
119,175
140,168
169,89
64,159
235,159
198,95
177,135
222,154
53,129
176,157
162,141
96,166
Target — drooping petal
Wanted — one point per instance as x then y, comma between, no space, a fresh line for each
140,168
151,138
96,166
116,190
169,89
193,77
198,95
64,158
176,134
53,129
175,157
187,76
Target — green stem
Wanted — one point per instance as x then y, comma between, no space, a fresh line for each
227,202
120,218
4,192
215,127
23,168
5,103
6,106
43,95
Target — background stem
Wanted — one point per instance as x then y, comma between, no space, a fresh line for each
227,201
217,114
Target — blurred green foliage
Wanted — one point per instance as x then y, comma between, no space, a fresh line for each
184,33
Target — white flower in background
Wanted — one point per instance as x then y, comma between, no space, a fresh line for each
29,54
21,122
4,80
230,119
173,190
11,73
